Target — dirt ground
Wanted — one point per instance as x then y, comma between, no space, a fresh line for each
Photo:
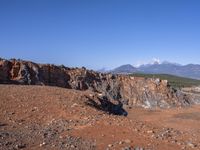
51,118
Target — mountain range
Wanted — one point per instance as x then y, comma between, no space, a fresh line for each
189,70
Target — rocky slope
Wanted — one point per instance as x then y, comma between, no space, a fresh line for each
126,91
53,118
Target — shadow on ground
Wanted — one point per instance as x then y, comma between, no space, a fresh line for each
105,105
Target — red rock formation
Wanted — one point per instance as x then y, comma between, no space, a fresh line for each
5,67
130,91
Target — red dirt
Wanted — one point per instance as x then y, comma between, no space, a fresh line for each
42,117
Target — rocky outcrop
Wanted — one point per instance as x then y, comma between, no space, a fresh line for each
130,91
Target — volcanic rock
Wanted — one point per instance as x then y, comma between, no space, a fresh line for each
125,90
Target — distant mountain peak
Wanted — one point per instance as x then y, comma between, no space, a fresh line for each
170,63
127,68
103,70
155,61
165,67
127,65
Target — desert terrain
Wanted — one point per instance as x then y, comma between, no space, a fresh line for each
44,117
99,75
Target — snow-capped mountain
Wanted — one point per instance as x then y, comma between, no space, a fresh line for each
190,70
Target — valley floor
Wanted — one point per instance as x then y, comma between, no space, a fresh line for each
42,117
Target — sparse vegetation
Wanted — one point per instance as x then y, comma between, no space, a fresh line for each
174,81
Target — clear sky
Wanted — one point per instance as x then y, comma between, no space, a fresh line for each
100,33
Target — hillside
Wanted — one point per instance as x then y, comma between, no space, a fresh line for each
53,107
124,90
174,81
52,118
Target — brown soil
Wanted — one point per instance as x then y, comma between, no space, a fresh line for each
42,117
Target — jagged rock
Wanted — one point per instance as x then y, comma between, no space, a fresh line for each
5,67
129,91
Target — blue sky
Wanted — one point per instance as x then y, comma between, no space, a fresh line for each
100,33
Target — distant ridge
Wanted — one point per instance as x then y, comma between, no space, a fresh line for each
124,69
189,71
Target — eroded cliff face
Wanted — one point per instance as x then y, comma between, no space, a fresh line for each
129,91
